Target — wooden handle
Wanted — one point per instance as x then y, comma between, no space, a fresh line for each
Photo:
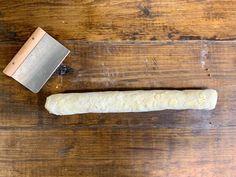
25,50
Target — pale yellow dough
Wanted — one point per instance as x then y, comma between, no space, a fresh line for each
130,101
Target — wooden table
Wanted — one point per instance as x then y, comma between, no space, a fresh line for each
122,45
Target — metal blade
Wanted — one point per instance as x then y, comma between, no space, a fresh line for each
41,63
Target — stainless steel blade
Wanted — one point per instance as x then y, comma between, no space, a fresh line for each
41,63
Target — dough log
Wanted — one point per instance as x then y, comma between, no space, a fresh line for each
130,101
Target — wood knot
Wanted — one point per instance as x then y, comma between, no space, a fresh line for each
63,70
145,11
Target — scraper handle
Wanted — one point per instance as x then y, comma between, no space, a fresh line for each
25,50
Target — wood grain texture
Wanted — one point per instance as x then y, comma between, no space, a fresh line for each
166,143
118,152
94,66
122,45
97,20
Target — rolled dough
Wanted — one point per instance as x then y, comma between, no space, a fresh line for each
130,101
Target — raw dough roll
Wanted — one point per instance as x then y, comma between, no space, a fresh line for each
130,101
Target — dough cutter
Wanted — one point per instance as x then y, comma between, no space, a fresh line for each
37,60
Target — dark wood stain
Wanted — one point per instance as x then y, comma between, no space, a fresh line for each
212,38
1,15
145,12
131,36
153,38
7,34
63,70
190,38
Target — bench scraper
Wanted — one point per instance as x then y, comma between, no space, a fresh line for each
37,60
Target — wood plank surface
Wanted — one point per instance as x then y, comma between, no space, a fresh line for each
122,45
95,66
118,152
95,20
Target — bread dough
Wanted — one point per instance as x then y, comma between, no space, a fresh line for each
130,101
